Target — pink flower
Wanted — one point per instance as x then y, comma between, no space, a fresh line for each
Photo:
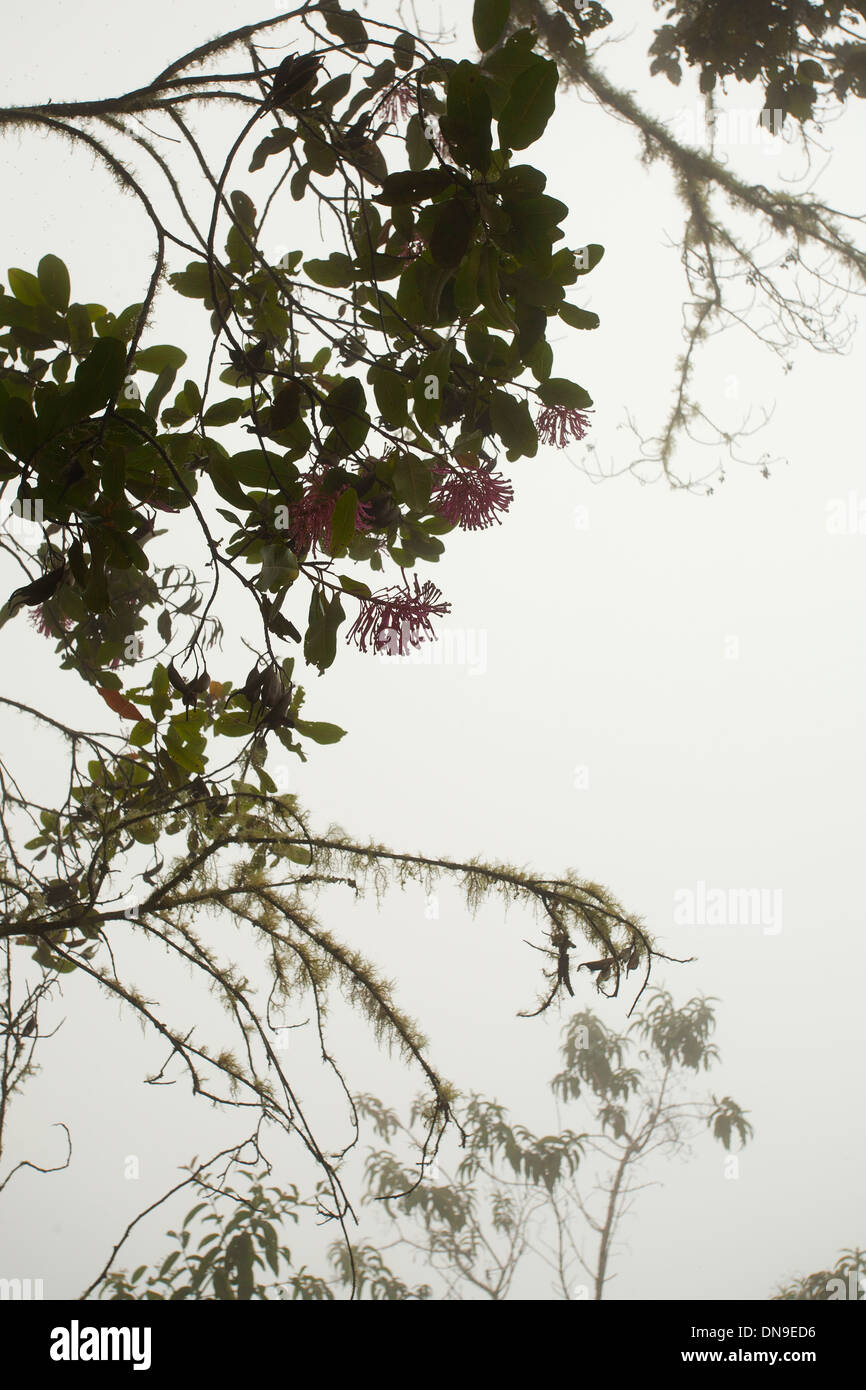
398,104
310,518
48,626
395,619
472,497
556,424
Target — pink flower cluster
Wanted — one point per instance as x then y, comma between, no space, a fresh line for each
310,518
556,424
398,104
39,620
472,498
395,619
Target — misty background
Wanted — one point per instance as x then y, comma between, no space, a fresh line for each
655,688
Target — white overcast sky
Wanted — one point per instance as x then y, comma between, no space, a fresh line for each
664,690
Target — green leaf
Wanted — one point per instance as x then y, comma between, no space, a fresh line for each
320,640
540,360
587,258
295,439
192,396
489,18
523,180
192,283
159,391
121,326
468,116
17,425
533,228
271,1244
60,366
274,143
80,328
35,318
238,250
412,482
333,91
412,299
413,186
100,376
299,182
234,725
578,318
466,297
26,287
337,272
810,71
490,289
513,423
530,289
381,75
147,832
176,414
490,352
226,484
348,27
187,757
392,396
365,228
557,390
279,571
404,51
343,521
156,359
453,225
286,407
224,412
430,387
321,155
530,106
418,147
142,734
504,65
244,209
54,282
532,326
356,587
240,1253
222,1287
345,411
319,733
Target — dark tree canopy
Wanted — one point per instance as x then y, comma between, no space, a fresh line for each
361,401
801,52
